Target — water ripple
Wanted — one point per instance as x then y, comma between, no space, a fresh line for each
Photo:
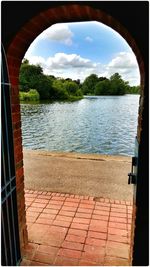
104,125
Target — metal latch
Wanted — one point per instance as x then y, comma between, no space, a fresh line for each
132,176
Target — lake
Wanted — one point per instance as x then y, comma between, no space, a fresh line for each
100,124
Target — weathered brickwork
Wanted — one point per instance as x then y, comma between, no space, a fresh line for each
15,53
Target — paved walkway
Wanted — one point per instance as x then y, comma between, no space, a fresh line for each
66,229
84,174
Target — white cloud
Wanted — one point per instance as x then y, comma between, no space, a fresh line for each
88,39
58,32
76,67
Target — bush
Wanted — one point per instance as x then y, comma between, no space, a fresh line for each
32,95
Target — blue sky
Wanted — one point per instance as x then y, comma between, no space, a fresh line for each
77,50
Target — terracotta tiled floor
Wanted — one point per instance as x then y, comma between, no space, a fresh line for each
76,230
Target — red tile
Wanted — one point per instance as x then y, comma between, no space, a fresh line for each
44,258
129,220
66,208
58,229
31,199
117,214
94,257
100,217
77,232
75,238
89,202
44,197
99,228
95,250
128,203
102,208
38,205
69,253
97,235
72,245
49,193
129,216
72,200
81,220
48,250
63,261
117,201
37,263
79,226
129,211
83,215
53,207
116,219
95,242
44,221
103,204
71,204
64,218
66,213
86,206
98,223
101,212
44,193
118,225
117,238
33,209
30,219
56,202
58,198
85,210
118,206
47,216
118,210
32,214
87,263
37,200
115,231
61,223
107,200
51,211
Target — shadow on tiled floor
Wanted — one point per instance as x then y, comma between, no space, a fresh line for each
75,230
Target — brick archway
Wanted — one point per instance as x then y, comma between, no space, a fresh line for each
15,53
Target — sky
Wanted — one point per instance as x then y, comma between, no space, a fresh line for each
76,50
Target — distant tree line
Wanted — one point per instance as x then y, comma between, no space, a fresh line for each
35,85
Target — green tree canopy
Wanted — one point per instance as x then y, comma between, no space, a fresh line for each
102,87
89,84
118,86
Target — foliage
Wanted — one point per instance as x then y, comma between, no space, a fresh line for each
89,84
102,87
48,87
31,95
117,85
134,90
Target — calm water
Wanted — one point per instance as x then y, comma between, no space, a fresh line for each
104,124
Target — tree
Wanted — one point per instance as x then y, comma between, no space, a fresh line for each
118,86
102,87
89,84
29,75
71,87
59,90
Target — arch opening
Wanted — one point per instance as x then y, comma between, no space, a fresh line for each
24,38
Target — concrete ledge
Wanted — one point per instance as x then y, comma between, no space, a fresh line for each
72,155
81,174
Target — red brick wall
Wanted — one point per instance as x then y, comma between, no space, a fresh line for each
15,54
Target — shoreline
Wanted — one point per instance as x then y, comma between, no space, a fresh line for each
76,155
